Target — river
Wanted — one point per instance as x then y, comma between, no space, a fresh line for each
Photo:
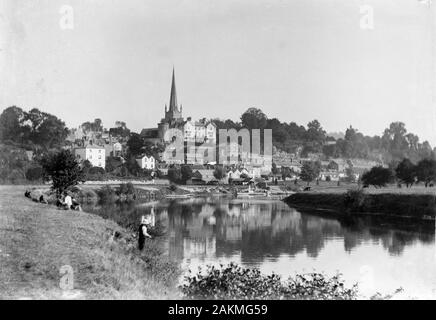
378,253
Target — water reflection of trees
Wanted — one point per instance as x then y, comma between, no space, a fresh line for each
267,230
205,228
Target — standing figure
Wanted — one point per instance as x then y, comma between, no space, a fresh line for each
143,232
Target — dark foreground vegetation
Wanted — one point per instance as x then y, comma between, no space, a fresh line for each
235,282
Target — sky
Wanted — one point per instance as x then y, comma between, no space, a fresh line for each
297,60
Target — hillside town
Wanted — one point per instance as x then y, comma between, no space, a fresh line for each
199,151
108,149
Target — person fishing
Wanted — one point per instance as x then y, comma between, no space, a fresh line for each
143,231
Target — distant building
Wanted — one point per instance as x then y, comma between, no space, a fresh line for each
193,131
96,155
151,135
206,174
145,162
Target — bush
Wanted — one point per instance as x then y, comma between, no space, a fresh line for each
127,188
235,282
106,193
354,199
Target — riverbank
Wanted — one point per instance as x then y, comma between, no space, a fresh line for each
37,240
401,204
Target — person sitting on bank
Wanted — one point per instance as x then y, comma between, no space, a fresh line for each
68,201
42,199
75,205
143,231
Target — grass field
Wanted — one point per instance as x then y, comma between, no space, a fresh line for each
36,240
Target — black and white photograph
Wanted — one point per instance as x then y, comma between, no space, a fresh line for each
217,150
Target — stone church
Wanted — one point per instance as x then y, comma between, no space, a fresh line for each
197,132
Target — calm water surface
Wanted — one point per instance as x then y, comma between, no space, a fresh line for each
381,254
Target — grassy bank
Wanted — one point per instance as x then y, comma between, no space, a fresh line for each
412,204
36,240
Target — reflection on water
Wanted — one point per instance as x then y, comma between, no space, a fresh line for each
379,253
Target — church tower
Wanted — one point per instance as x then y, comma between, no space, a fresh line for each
174,112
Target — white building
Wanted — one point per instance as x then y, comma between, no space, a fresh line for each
199,131
148,163
96,155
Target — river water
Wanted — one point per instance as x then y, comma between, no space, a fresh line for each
380,254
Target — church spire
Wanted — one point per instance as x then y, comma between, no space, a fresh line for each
173,95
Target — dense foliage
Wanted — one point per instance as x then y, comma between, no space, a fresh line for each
426,171
394,144
62,169
35,128
16,166
310,171
236,282
219,172
406,172
41,132
180,173
378,177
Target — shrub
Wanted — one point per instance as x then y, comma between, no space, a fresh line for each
106,193
127,189
235,282
354,199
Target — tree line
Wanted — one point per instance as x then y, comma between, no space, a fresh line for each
405,172
393,144
42,132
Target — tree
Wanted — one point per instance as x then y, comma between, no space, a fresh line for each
135,144
120,130
310,171
426,171
355,145
11,123
133,166
406,172
254,118
62,169
186,172
350,176
286,172
95,126
274,169
219,172
174,174
45,129
377,176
